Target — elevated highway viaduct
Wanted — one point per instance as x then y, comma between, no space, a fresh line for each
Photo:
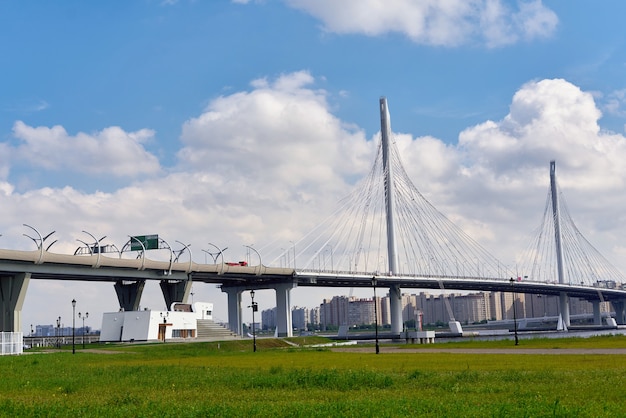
129,276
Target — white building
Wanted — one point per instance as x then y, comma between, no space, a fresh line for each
179,322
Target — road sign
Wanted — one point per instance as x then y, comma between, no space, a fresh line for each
150,242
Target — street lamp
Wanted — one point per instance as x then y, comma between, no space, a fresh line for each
216,255
73,326
375,315
254,309
83,318
219,253
250,247
514,313
59,332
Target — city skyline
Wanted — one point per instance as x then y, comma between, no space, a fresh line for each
433,309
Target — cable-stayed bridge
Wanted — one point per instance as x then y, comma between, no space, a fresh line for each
388,231
385,234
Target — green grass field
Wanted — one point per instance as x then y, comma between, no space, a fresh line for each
228,379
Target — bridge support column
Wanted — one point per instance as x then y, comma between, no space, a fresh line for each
129,294
395,307
620,311
283,309
597,318
175,291
12,295
234,309
564,308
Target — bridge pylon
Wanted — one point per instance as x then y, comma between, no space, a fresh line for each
395,293
556,215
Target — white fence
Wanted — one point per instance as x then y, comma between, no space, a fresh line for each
12,342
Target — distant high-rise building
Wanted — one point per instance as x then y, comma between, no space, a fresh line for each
495,306
299,318
314,316
334,311
360,312
268,319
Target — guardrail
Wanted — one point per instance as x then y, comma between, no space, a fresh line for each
57,342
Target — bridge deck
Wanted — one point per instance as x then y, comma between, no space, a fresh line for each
46,265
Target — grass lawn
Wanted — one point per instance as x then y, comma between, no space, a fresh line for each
228,379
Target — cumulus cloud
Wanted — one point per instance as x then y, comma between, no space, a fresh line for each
436,22
550,119
112,151
281,131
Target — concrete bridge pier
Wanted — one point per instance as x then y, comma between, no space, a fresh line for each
564,308
175,291
620,311
284,327
395,307
129,293
597,317
12,295
234,309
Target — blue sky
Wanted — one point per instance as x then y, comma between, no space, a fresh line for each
177,110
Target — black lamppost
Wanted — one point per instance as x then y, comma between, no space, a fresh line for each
73,326
83,318
375,315
514,313
254,309
59,332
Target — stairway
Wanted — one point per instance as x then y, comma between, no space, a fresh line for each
209,330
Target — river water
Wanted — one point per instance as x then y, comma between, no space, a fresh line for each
480,335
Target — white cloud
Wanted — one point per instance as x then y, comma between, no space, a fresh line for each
282,130
534,20
550,119
616,103
112,151
5,160
436,22
36,105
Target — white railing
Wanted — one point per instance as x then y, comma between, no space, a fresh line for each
12,342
